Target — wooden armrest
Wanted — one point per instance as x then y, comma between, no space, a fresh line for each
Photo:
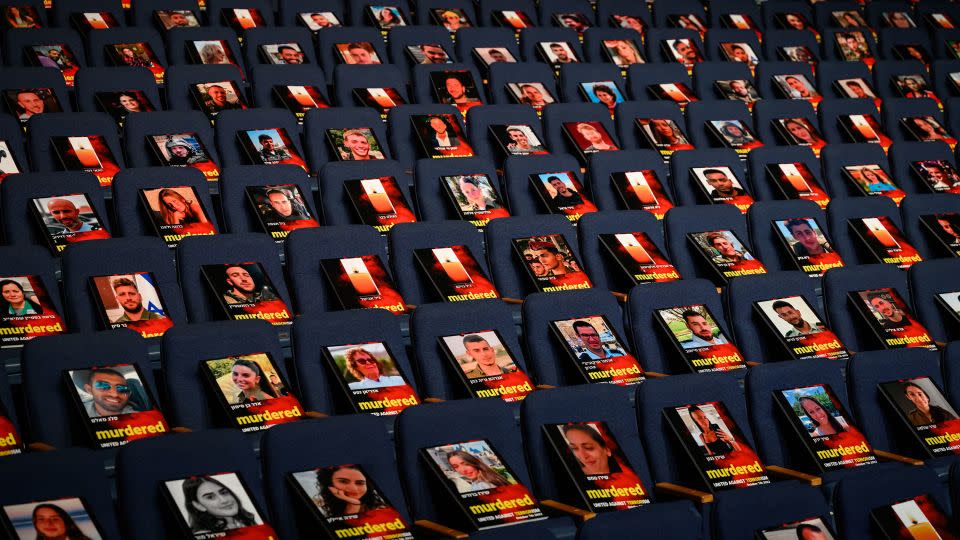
41,447
315,414
573,511
411,307
433,400
795,475
940,344
512,300
545,387
181,429
437,528
684,492
751,363
619,296
890,456
655,374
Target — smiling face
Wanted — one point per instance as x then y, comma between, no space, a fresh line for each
358,145
519,137
290,55
109,391
815,412
455,88
216,500
918,397
217,95
463,468
30,102
351,483
438,125
129,103
65,213
12,294
49,523
882,306
244,378
367,365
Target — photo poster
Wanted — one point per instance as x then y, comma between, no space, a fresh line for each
18,519
824,429
720,185
87,153
716,447
938,175
176,212
926,413
131,301
371,378
55,55
798,328
796,181
485,365
885,241
734,134
797,529
272,146
597,352
677,92
562,193
950,302
479,481
594,461
455,274
725,254
363,283
863,128
642,190
474,197
807,245
379,202
137,54
115,404
919,517
184,150
26,312
886,313
440,136
663,135
698,339
67,219
945,228
245,291
184,499
551,263
347,503
639,258
280,208
300,98
251,391
873,181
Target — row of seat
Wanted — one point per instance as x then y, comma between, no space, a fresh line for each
633,416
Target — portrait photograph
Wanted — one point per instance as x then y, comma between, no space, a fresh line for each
56,518
110,390
250,378
213,503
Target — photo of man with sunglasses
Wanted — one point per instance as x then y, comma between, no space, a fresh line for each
111,394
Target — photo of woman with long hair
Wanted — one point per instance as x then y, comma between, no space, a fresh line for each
473,473
824,423
345,490
51,522
254,385
213,507
175,209
591,450
14,300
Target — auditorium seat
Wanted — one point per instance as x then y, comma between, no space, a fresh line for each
928,279
598,262
16,191
239,215
842,316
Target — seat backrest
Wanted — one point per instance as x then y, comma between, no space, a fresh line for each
842,316
766,243
215,14
256,38
530,38
179,79
605,272
760,158
641,76
582,403
556,115
239,215
898,112
329,38
312,334
573,75
629,112
506,269
182,49
302,446
16,191
748,329
196,251
905,153
522,196
132,217
479,120
831,110
668,460
337,208
317,122
404,140
915,206
101,46
305,247
548,358
92,80
74,472
470,38
231,122
837,158
777,441
87,260
504,73
349,79
685,183
840,211
594,37
857,495
42,127
927,280
431,322
48,406
143,12
15,43
767,112
699,113
829,72
878,421
603,164
139,487
433,201
264,77
139,127
649,342
405,238
684,522
681,220
767,72
745,512
451,422
190,403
